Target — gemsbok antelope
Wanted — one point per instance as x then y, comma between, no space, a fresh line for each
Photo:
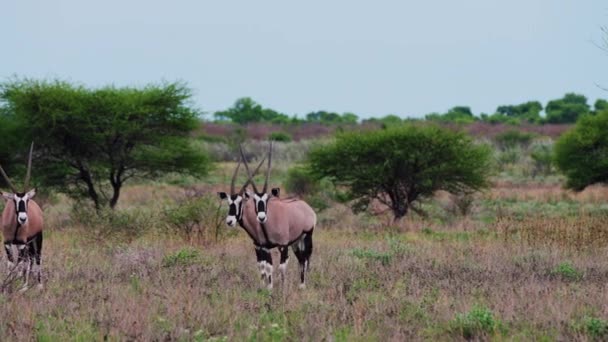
241,211
284,223
22,226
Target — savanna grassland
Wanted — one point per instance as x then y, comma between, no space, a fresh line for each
524,260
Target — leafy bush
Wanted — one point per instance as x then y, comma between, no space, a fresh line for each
280,136
582,153
514,138
108,224
478,321
542,160
194,216
300,182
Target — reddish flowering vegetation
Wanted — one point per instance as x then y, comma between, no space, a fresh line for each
260,131
487,130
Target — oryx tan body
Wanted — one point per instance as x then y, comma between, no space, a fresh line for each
288,220
22,226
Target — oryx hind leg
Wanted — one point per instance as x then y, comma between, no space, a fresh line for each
283,265
303,250
35,250
269,268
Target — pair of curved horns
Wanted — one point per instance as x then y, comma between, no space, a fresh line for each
250,180
256,170
26,184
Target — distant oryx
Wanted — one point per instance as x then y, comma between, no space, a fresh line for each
22,226
284,222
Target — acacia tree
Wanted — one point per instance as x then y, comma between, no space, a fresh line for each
582,153
399,166
89,142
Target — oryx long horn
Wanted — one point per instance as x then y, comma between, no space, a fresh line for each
236,171
250,180
8,181
268,171
26,184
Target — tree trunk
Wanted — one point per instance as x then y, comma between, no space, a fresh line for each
115,195
400,210
85,175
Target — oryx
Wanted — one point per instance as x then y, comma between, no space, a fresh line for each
241,211
22,226
284,222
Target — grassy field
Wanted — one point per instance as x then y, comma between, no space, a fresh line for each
525,261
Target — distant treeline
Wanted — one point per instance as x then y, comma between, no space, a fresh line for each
559,111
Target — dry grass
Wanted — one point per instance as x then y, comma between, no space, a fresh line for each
494,273
370,285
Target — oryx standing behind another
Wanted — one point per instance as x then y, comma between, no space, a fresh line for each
284,222
241,211
22,226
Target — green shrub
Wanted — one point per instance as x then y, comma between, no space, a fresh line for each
280,136
595,327
194,217
114,224
567,271
369,254
542,158
514,138
478,321
300,182
183,257
582,153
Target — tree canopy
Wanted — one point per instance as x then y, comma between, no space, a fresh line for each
245,110
582,153
567,109
91,141
401,165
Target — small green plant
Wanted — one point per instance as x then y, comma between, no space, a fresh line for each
567,271
183,257
478,321
595,327
370,254
280,136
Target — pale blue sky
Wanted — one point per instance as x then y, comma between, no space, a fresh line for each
368,57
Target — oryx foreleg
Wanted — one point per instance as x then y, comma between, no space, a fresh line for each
261,258
269,268
10,258
24,260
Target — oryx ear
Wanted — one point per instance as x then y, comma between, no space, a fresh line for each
7,195
222,195
275,192
31,193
